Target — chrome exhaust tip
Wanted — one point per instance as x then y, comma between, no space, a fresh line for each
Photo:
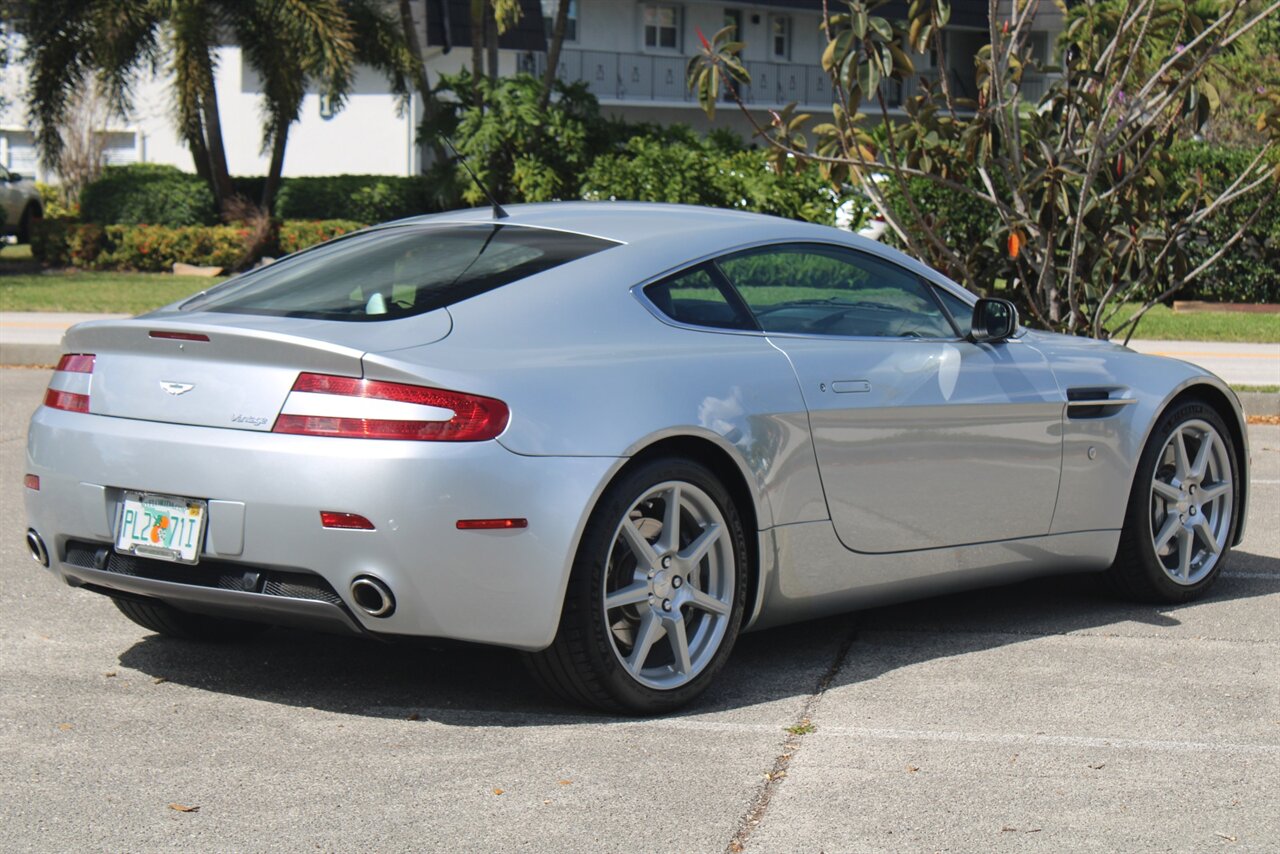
35,545
372,596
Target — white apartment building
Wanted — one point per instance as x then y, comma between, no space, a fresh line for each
631,53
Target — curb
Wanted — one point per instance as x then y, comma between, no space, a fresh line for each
1259,402
14,354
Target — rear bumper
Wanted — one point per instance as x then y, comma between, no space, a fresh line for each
265,494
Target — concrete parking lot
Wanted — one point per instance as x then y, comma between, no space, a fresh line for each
1040,717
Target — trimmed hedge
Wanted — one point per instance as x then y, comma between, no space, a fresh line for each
147,193
152,194
155,248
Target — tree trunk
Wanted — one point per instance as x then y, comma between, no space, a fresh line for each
272,186
430,109
200,154
491,39
478,10
553,52
220,176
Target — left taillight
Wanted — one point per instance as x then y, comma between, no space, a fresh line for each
69,387
353,408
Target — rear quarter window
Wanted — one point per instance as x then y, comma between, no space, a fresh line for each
397,272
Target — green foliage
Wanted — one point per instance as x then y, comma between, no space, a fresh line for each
1079,200
147,193
1250,271
367,198
155,248
54,202
521,150
299,234
679,166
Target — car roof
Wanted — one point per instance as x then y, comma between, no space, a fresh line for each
629,222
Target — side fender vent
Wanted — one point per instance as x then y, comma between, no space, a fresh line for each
1085,403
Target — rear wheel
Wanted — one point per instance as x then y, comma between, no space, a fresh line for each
169,621
1182,511
30,218
656,595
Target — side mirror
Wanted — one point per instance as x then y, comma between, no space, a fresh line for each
993,320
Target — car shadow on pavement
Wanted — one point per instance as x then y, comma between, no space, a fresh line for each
472,685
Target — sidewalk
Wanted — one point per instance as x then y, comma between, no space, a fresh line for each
34,338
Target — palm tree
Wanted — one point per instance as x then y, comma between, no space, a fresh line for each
290,43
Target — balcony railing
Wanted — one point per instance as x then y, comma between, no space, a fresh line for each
638,77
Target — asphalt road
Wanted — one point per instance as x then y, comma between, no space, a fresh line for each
1039,717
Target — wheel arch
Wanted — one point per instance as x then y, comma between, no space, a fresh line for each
1222,400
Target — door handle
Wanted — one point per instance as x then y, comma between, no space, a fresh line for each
850,386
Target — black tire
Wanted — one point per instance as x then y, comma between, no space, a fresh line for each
30,216
171,622
1139,572
584,664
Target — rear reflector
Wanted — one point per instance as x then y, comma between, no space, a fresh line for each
31,481
349,407
179,336
348,521
80,363
491,524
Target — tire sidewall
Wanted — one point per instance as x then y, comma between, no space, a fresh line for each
1139,513
588,578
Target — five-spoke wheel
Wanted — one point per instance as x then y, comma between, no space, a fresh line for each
656,595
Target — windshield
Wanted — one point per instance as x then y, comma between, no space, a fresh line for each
397,272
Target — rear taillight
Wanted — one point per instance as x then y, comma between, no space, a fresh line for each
69,387
347,407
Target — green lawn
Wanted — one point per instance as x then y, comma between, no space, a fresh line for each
117,293
1161,324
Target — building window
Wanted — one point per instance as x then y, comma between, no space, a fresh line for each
662,27
1038,43
549,10
733,18
780,37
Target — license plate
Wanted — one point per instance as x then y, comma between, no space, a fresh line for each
164,527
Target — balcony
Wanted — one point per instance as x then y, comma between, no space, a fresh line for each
625,78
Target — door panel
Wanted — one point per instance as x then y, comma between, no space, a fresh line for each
924,444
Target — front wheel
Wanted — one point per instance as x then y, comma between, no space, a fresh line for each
1181,517
656,594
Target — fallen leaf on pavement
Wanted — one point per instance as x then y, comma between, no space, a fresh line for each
159,679
64,727
183,808
109,674
1226,837
911,769
498,791
1099,766
412,717
565,782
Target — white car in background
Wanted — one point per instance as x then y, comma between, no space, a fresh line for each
20,205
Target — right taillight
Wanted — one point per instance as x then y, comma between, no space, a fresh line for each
69,387
354,408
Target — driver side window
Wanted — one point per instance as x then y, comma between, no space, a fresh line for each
810,289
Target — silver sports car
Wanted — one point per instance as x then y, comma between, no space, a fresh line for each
612,436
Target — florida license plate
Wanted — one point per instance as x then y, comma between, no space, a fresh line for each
164,527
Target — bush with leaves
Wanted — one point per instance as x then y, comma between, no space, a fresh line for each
147,193
521,149
677,165
155,248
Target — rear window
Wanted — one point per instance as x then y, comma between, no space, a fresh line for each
397,272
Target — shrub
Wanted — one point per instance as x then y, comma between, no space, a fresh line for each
296,234
1250,270
365,198
155,248
676,165
147,193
